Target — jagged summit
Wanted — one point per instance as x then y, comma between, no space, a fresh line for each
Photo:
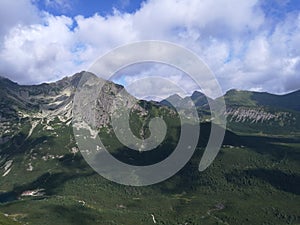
44,103
199,98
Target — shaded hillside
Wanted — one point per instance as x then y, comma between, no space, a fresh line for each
247,98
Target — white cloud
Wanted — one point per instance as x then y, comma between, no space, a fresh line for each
12,13
102,33
155,79
237,43
38,52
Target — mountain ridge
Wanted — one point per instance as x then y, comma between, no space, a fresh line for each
246,110
288,100
196,92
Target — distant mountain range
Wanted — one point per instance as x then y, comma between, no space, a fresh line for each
250,112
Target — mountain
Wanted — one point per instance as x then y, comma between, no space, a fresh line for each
198,98
186,104
248,112
45,180
179,101
23,106
251,112
288,101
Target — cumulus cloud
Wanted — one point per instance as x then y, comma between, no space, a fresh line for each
145,79
244,47
13,13
35,53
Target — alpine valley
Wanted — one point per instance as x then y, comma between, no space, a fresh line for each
255,178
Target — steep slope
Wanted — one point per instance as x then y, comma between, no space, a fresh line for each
263,112
288,101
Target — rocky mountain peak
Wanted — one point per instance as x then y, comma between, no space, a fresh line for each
47,102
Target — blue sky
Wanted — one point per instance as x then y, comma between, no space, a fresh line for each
87,8
252,45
